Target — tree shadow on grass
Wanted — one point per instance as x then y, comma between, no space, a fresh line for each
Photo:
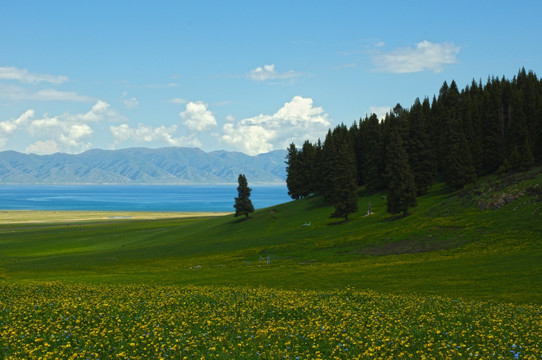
338,222
394,218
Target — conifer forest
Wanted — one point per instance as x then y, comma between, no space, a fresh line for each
455,137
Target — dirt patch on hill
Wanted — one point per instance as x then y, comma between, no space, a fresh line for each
413,246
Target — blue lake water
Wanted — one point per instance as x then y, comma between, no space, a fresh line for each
135,197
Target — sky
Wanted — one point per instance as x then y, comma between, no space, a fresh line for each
249,76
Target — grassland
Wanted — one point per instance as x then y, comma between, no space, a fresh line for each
480,271
447,246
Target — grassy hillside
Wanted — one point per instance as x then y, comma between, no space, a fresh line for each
448,246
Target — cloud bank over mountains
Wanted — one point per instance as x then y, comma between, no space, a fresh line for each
196,123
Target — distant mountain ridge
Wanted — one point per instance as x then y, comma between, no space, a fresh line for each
171,165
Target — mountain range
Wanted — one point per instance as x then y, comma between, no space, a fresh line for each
171,165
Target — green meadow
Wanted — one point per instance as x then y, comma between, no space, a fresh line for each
447,246
460,277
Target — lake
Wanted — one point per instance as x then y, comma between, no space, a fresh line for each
175,198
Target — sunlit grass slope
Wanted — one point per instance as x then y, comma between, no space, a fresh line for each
447,246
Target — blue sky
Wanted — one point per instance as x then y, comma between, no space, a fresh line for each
250,76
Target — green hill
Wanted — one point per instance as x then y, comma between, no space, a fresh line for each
483,242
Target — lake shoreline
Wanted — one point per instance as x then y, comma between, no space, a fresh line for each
70,216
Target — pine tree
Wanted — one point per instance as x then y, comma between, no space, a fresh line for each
373,156
345,187
420,149
527,158
402,188
293,172
458,168
243,204
307,159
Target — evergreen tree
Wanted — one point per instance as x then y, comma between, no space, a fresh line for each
307,159
492,129
373,156
420,149
243,204
402,188
458,168
512,162
327,170
345,187
293,172
460,171
526,156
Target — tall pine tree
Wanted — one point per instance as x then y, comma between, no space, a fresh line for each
294,176
345,186
420,149
243,204
401,186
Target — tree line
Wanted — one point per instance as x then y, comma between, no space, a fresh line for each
456,137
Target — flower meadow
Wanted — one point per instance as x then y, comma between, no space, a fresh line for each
83,321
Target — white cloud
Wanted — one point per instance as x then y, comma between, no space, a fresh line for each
100,111
41,126
70,133
268,72
131,103
197,117
145,134
380,111
55,95
75,133
42,147
72,137
18,93
424,56
9,126
24,76
178,100
297,121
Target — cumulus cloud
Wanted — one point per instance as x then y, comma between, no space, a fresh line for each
42,147
24,76
424,56
197,116
66,136
74,134
71,133
297,121
146,134
268,72
9,126
100,111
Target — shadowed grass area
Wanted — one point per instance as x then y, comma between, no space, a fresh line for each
447,246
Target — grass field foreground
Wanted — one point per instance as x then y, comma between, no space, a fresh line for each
55,320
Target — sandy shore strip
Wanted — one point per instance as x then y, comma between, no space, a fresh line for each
38,216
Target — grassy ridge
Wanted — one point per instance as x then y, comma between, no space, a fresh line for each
448,246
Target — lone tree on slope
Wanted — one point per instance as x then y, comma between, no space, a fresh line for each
243,204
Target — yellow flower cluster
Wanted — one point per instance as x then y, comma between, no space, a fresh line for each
67,321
